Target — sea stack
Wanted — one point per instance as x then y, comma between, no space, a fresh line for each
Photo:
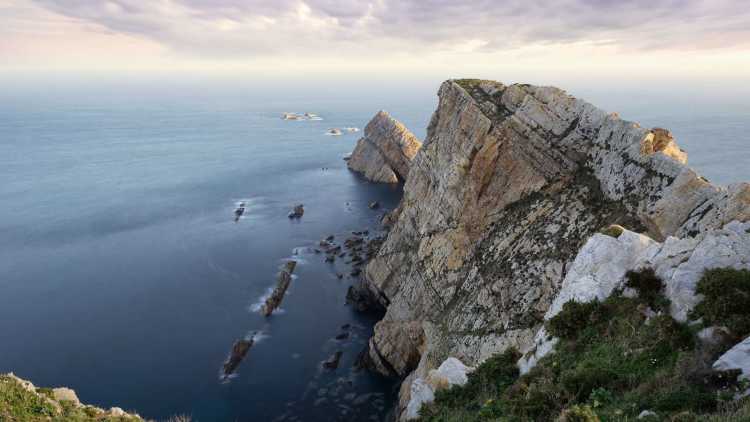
384,154
282,283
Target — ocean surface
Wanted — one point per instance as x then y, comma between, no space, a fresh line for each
124,276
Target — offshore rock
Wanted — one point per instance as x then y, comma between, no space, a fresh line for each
238,353
384,154
510,183
282,284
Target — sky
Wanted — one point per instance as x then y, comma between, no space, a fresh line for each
533,40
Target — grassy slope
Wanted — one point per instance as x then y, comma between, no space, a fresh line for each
20,405
613,362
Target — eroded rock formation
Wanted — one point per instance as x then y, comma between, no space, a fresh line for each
510,183
385,152
282,283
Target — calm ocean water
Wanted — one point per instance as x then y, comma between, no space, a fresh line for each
123,276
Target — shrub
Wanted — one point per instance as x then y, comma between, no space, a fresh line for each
649,287
726,299
579,414
574,317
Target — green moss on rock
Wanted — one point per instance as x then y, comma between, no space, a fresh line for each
613,230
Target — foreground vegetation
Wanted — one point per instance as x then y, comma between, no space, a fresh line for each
616,359
19,404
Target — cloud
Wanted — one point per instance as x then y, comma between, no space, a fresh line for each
253,28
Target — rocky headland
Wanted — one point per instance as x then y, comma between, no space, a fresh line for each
385,152
499,228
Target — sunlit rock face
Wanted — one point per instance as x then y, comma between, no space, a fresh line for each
385,153
510,183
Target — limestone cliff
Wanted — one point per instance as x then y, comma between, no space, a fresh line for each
384,154
510,183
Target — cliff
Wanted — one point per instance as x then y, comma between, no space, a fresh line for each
384,154
509,185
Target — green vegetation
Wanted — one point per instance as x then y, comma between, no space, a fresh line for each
613,230
612,362
726,300
20,405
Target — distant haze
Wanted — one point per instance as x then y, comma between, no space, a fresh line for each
542,41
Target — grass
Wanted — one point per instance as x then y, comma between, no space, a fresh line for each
726,300
612,362
19,405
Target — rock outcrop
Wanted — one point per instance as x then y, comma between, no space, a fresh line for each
60,403
277,295
450,373
385,153
509,185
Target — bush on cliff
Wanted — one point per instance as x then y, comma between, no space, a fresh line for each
614,360
726,301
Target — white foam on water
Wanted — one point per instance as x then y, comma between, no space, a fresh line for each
257,336
255,307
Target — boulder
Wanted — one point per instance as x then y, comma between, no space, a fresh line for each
450,373
385,152
66,394
738,357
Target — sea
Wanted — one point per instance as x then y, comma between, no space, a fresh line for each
124,275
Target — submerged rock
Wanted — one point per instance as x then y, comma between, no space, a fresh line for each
282,284
333,361
384,154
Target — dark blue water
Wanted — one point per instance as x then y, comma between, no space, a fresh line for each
123,276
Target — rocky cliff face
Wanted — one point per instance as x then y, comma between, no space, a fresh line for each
384,154
508,186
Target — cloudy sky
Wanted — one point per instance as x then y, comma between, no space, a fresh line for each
657,38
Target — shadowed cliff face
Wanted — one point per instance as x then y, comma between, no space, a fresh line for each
509,184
